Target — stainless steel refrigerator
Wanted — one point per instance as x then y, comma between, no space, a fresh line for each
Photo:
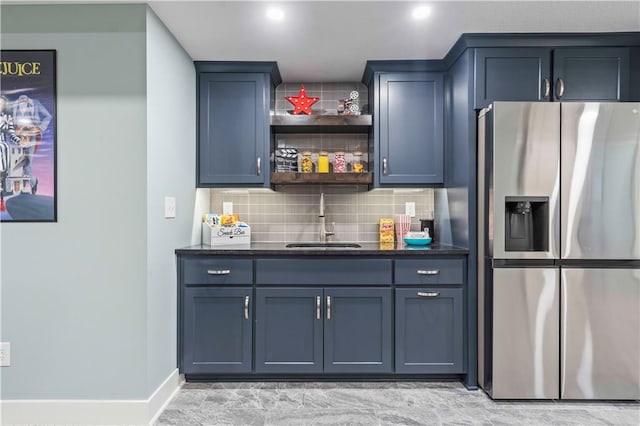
559,250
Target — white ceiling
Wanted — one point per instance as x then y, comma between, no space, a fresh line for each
331,40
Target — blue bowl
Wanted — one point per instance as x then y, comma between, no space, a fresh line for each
417,241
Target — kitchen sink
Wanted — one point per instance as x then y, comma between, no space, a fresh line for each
323,245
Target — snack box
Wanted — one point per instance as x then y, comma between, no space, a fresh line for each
386,230
226,235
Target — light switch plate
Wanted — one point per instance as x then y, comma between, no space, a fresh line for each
5,354
227,207
410,208
169,207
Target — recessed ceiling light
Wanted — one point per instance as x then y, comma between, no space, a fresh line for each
421,12
275,14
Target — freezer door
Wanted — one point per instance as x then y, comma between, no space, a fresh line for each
526,164
525,333
600,334
600,181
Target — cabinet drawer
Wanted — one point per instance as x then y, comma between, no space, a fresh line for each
202,270
429,271
323,271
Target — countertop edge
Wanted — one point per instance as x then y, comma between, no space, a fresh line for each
204,250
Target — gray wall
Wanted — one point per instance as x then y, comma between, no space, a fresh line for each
88,303
171,157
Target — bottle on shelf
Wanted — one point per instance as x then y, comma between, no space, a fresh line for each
339,163
307,162
357,166
323,162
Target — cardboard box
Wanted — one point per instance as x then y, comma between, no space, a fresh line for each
217,235
386,230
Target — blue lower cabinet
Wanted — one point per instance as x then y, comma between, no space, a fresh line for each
316,330
288,330
357,333
429,333
217,330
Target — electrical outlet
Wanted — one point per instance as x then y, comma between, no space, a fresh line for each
410,208
169,207
5,354
227,207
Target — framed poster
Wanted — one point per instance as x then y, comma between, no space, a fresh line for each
28,136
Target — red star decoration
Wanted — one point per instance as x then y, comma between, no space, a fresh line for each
302,102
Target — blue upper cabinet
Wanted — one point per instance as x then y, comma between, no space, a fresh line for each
591,74
551,74
233,123
512,74
409,121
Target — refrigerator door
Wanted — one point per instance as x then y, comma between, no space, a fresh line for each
526,164
525,333
600,334
600,181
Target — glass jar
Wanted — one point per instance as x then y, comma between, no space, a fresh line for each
357,166
307,162
339,163
323,162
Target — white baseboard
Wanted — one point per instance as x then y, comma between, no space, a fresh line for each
91,412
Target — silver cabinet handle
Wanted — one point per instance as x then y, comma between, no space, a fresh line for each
547,88
428,294
246,307
219,272
559,88
328,307
259,166
428,272
317,307
384,165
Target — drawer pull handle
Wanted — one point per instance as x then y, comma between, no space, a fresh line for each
384,166
328,307
428,272
317,307
428,294
259,166
246,307
219,272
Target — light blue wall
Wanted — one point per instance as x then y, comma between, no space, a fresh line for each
74,293
171,157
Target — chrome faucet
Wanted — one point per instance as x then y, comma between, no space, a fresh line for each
323,226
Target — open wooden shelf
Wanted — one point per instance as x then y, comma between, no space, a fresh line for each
321,123
289,178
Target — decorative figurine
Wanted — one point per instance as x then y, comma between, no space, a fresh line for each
302,102
348,106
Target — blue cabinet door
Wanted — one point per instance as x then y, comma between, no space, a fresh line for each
357,330
429,333
217,330
512,74
411,129
233,129
289,330
591,74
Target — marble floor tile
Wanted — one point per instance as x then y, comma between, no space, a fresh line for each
407,416
248,417
377,403
304,417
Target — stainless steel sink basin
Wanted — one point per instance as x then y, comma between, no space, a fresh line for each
323,245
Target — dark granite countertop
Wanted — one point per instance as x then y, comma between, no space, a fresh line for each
367,249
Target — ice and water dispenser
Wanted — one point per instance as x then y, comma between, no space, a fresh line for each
526,224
